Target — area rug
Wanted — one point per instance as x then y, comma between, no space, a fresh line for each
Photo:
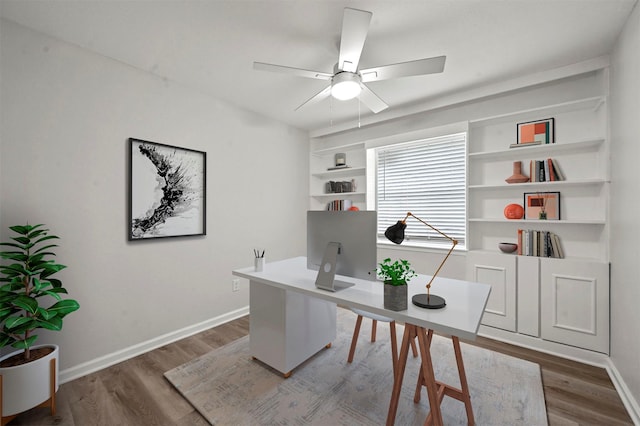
228,387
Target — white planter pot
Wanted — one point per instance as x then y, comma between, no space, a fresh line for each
28,385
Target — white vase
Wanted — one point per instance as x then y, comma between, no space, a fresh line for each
28,385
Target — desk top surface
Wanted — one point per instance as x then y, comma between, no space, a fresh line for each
461,317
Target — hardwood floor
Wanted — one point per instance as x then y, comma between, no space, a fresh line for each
135,392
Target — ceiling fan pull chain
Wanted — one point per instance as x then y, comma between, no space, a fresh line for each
359,104
330,111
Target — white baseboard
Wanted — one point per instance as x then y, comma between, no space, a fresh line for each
140,348
625,394
557,349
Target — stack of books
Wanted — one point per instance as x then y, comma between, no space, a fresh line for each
539,243
545,170
339,205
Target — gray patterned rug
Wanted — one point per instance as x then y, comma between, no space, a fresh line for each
229,388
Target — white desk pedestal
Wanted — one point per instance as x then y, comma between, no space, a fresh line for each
286,328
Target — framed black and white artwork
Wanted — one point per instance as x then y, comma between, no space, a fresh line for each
167,191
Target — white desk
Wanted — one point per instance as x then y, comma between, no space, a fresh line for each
291,320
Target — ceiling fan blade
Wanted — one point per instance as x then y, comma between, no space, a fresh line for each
294,71
323,94
355,25
371,100
404,69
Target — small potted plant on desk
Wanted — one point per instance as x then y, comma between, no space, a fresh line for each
29,376
395,276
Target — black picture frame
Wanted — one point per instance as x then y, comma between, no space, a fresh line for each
535,202
537,132
167,191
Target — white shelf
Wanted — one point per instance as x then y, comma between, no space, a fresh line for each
536,149
538,222
498,252
330,150
556,184
350,171
339,195
550,110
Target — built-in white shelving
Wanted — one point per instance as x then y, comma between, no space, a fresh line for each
346,172
322,160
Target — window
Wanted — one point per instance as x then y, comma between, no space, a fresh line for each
428,179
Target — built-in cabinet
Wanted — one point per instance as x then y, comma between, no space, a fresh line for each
558,300
321,163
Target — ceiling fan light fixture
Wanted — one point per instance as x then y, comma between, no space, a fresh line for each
345,86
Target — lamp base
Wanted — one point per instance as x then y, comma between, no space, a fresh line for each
430,302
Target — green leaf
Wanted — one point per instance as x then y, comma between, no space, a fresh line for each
43,253
23,229
47,247
57,285
44,314
13,323
5,340
20,246
64,307
14,267
24,344
55,323
22,240
37,232
14,255
48,237
5,310
51,269
53,294
27,303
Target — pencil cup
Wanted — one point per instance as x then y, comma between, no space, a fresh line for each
259,264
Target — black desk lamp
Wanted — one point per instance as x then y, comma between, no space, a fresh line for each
395,233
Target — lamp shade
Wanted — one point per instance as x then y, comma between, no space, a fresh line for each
395,233
345,86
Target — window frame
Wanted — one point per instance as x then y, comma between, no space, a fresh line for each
438,244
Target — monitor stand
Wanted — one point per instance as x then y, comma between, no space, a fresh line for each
327,272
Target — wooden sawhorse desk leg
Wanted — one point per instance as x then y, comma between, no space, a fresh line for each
435,390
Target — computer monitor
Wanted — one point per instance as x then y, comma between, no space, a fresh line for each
343,243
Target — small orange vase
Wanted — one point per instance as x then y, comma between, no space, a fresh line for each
517,176
513,211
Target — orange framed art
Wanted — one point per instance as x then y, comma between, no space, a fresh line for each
542,205
537,132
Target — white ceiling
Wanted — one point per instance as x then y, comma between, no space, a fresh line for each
211,45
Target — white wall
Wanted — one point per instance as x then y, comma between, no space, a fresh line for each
66,117
625,211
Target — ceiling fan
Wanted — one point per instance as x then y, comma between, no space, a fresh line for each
347,81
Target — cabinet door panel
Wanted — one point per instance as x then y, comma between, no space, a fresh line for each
575,303
529,295
499,271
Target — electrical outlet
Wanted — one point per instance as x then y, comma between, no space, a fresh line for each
235,284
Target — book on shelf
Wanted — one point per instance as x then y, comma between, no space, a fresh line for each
338,205
545,170
532,242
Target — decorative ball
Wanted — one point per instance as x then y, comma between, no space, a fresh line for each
354,209
513,211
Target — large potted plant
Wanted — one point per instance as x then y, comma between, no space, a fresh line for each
30,299
395,276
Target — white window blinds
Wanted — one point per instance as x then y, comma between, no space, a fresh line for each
428,179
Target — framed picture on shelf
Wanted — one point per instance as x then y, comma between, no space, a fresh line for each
542,205
167,191
537,132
